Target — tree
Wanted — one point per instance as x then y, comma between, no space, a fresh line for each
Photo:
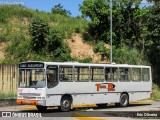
97,11
126,20
58,9
58,49
152,43
152,34
39,31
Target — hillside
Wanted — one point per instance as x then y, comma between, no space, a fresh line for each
80,49
15,38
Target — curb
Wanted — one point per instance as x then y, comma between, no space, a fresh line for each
7,102
29,108
83,117
85,105
142,101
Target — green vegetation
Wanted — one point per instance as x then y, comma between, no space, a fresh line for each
136,31
155,92
127,21
152,42
128,55
57,48
28,34
100,48
58,9
9,95
39,31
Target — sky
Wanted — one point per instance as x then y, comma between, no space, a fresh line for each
47,5
71,5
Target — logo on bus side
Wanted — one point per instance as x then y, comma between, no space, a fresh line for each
108,86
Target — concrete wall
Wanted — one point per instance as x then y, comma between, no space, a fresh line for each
8,79
7,102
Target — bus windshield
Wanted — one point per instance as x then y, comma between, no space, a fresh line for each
32,78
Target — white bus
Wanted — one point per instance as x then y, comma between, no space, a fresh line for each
65,84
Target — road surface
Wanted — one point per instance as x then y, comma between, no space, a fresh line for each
147,110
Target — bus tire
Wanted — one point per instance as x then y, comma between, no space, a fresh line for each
124,100
65,104
102,105
42,108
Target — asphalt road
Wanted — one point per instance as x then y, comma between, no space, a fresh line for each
149,110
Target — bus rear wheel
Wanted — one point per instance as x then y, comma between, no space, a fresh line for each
65,104
124,101
41,108
102,105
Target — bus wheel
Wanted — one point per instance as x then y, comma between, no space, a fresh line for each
41,108
124,100
65,104
102,105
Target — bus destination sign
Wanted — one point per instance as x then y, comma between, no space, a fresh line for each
31,65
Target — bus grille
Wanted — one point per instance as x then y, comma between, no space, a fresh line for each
28,97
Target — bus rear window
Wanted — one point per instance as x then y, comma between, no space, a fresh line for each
145,74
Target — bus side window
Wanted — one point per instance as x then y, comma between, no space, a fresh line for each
81,73
52,79
108,72
115,74
136,74
111,74
66,73
125,74
97,73
145,74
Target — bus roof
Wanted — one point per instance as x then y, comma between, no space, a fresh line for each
86,64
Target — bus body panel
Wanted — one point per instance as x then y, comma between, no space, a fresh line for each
88,92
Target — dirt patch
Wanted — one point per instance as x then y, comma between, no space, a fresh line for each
80,49
2,46
15,21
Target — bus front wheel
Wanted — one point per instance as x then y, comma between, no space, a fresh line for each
65,104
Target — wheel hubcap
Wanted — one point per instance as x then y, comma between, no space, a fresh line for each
66,103
124,100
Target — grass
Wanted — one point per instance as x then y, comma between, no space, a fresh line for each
155,92
7,95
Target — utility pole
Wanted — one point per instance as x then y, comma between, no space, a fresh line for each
110,31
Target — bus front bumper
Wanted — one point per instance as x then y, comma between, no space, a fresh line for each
31,102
